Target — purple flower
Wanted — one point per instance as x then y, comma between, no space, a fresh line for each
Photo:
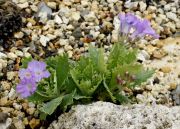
29,77
39,70
26,87
26,73
142,29
128,21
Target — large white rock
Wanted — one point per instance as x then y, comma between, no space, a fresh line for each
105,115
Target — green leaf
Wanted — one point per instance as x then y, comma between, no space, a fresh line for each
133,70
120,55
143,75
121,98
78,97
43,116
67,100
88,71
121,70
50,107
61,65
42,94
36,98
109,92
25,61
97,57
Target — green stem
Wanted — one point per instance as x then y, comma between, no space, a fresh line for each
108,90
42,94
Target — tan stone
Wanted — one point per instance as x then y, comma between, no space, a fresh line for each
25,121
25,106
150,49
32,21
160,44
30,111
3,101
34,123
159,54
172,86
6,109
6,85
165,69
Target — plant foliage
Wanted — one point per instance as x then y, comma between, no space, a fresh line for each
89,79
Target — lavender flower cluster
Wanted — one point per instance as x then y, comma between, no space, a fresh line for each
140,27
30,76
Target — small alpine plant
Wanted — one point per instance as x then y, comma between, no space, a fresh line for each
58,82
30,77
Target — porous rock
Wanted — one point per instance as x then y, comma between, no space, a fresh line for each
105,115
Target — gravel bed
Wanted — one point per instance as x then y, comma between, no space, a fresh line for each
72,25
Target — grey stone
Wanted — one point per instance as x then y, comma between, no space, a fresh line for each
77,33
176,95
105,115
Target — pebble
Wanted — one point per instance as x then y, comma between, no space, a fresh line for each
75,16
6,109
31,105
142,6
19,35
58,20
112,1
167,7
4,101
34,8
166,69
23,5
3,117
143,55
90,17
30,111
34,123
60,51
176,95
131,5
6,124
65,20
172,16
52,5
67,47
17,106
12,56
19,53
12,94
11,75
63,42
159,54
151,9
32,21
5,85
3,64
44,40
19,124
70,54
77,33
3,56
84,3
173,86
